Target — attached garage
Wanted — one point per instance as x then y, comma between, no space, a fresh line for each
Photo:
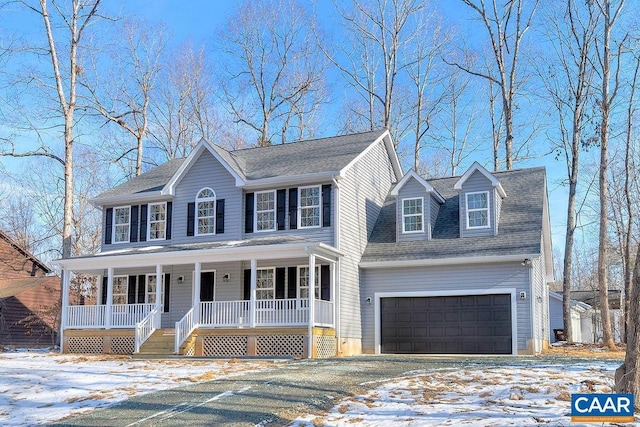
455,324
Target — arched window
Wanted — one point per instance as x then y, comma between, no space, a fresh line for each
206,212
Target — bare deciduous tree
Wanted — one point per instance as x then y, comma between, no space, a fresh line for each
506,26
272,77
123,92
568,76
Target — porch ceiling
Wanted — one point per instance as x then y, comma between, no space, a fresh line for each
259,248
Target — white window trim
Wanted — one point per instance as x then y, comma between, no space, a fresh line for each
318,283
126,294
214,199
273,272
300,207
404,231
149,221
255,211
488,209
158,286
113,225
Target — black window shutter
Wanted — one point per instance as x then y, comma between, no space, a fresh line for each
326,205
167,292
143,223
220,216
191,218
103,295
325,283
108,224
169,220
281,208
142,291
292,279
133,229
248,213
131,290
293,208
280,274
247,285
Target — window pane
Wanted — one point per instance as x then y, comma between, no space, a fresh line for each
478,218
413,223
310,207
206,193
310,196
412,206
477,201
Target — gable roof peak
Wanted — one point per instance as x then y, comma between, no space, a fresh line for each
477,167
428,187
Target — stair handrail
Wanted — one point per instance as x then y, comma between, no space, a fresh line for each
184,328
147,326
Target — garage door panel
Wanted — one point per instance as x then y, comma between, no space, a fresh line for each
468,324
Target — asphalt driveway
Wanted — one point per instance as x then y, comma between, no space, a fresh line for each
278,396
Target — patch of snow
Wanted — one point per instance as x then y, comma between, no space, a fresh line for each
504,396
40,387
149,248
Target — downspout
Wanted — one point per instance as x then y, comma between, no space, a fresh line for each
532,303
337,266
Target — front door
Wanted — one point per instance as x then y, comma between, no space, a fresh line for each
207,285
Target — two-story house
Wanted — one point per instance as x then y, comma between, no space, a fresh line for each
314,249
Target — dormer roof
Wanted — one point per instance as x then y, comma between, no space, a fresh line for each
477,167
428,187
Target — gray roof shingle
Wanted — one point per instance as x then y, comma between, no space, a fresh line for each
296,158
519,232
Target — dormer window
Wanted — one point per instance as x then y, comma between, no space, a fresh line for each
121,222
265,211
206,212
157,221
478,210
412,215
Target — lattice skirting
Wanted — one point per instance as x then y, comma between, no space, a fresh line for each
224,346
326,346
86,344
190,348
123,345
280,345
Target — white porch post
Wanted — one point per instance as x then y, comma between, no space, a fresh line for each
196,292
312,301
65,304
254,279
108,311
159,286
332,292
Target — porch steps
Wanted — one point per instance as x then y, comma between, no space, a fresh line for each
159,345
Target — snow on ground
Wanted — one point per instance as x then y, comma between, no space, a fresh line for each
39,387
496,396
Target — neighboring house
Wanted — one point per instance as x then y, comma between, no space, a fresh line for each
581,319
616,312
29,300
242,239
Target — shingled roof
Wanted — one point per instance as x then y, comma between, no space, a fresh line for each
292,159
520,227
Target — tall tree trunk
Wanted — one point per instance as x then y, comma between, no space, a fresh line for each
603,270
570,232
628,374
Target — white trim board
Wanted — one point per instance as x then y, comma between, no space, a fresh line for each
450,293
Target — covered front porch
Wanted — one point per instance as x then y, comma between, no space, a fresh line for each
255,294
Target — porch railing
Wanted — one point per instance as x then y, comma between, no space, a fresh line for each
184,328
225,313
323,313
146,327
282,312
95,316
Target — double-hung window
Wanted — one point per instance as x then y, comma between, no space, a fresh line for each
309,201
412,215
157,221
152,289
303,282
265,283
206,212
478,209
121,223
265,211
120,289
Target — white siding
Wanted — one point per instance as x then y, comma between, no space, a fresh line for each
447,278
362,193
